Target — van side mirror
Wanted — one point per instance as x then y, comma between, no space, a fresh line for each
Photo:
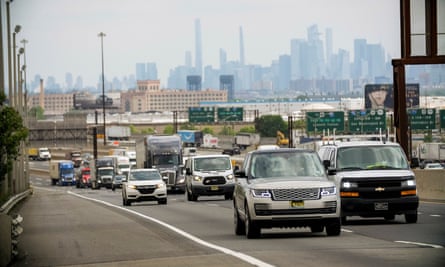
188,171
326,163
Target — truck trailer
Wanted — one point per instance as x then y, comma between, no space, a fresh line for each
191,137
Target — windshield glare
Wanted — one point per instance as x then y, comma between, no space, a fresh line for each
287,164
145,176
212,164
369,157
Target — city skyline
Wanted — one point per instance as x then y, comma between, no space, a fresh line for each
63,38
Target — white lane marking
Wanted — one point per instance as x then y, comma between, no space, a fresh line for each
420,244
346,230
435,215
239,255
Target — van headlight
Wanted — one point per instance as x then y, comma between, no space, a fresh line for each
349,185
328,191
410,182
229,177
197,178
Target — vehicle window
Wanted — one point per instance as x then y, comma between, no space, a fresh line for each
369,157
287,164
212,164
145,176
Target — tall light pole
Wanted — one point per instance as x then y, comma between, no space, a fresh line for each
8,34
24,42
102,35
14,94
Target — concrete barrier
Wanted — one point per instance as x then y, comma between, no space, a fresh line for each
431,184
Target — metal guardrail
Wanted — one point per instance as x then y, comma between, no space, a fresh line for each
5,208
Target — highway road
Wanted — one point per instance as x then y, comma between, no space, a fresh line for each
84,226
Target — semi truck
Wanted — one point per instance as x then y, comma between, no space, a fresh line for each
244,140
75,156
430,152
191,137
104,173
41,153
62,172
164,152
122,133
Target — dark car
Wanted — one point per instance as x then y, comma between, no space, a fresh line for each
232,151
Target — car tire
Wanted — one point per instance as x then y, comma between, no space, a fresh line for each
344,220
390,217
252,229
317,228
240,228
411,217
191,196
228,196
162,201
333,228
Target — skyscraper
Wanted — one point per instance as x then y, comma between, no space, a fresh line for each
198,48
241,46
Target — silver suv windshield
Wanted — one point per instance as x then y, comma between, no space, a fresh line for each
286,164
371,157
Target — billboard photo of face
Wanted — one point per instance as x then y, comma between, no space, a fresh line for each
379,96
412,95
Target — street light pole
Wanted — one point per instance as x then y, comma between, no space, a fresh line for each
14,93
102,35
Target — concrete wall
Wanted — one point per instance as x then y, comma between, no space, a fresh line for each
431,184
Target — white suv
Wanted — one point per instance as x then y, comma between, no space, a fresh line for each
143,185
284,188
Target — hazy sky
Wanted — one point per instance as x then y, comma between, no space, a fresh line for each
62,34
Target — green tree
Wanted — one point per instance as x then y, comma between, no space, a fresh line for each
133,129
268,125
248,129
207,130
11,134
37,113
169,129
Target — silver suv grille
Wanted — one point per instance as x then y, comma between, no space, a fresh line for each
296,194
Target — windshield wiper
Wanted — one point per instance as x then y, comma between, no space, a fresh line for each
381,167
350,168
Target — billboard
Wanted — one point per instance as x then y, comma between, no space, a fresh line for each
382,96
86,100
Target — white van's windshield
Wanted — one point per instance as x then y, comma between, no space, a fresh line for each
371,157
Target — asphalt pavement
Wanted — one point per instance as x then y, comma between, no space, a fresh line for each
63,230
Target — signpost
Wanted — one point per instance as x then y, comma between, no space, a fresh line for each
367,121
201,114
442,118
422,118
230,114
325,120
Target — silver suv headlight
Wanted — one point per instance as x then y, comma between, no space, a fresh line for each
328,191
260,193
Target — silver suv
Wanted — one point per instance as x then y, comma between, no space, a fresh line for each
284,188
374,179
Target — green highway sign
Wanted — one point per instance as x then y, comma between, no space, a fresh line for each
367,121
442,118
229,114
201,114
325,120
422,118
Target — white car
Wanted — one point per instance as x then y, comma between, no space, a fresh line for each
144,185
434,166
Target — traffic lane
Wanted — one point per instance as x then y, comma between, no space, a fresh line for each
211,219
428,230
61,229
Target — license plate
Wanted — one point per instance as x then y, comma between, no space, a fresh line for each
214,188
381,206
296,204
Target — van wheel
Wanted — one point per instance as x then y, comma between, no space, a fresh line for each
191,196
411,217
228,196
